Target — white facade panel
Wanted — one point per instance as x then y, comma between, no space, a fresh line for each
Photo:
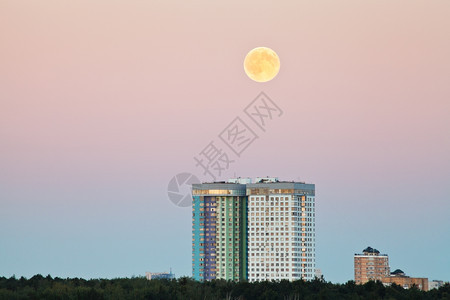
281,237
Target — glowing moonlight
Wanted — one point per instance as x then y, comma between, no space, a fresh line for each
262,64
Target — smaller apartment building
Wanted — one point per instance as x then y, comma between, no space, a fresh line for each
370,265
398,277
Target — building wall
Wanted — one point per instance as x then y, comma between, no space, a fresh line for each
219,232
230,247
162,275
281,232
210,238
243,239
197,237
407,282
435,284
370,267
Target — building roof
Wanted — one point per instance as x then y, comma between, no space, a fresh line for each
371,250
398,272
221,185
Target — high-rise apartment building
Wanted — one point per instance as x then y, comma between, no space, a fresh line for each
370,265
219,233
281,231
255,231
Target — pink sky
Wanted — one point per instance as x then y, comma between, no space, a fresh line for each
101,102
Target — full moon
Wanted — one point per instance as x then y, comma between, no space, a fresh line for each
261,64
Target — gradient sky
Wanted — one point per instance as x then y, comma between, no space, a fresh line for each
102,102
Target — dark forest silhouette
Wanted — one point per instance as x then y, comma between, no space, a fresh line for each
39,287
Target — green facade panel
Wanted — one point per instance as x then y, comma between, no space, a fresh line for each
226,257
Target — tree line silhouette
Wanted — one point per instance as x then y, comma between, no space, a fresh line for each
40,287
